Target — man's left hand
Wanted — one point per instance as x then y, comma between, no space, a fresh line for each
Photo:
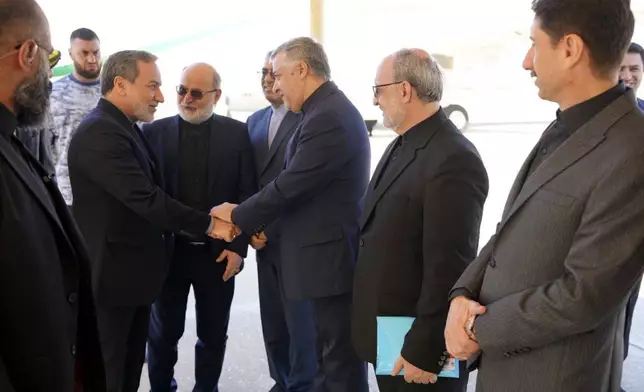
234,263
412,373
223,211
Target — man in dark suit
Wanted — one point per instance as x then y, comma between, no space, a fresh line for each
430,188
206,159
318,200
544,300
124,215
48,334
287,324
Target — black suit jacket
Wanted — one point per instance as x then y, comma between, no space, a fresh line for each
121,208
318,197
231,171
269,162
48,318
419,231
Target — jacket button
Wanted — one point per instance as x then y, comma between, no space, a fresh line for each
361,242
73,297
492,262
73,349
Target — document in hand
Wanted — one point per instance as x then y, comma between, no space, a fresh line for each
391,336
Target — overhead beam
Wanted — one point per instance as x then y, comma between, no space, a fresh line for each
317,20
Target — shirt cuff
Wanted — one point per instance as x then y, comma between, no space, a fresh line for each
211,226
461,292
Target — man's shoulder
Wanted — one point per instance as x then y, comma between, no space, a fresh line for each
228,123
259,113
161,123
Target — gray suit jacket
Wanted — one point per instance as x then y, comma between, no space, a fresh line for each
557,273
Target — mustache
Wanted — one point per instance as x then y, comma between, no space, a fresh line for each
533,74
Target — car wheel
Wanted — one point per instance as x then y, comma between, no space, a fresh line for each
458,115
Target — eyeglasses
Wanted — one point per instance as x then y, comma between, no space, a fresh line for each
265,72
194,93
53,55
378,86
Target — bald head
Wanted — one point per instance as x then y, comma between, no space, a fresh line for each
198,93
21,20
203,71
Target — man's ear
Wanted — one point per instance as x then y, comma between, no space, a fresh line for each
27,55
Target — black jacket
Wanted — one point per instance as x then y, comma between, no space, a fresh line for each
48,318
419,231
121,209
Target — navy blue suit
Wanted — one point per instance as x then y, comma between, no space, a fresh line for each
318,198
230,176
287,324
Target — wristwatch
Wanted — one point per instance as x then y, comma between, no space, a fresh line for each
469,327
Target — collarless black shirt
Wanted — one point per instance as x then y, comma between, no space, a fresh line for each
402,141
194,150
569,121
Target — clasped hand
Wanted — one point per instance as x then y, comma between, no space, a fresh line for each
222,227
459,344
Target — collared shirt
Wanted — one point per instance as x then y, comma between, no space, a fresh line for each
277,116
194,149
569,121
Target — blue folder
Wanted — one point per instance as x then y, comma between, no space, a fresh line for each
391,336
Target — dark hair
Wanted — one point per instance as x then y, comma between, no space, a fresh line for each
123,64
84,34
636,48
605,26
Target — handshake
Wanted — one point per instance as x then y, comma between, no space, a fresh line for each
222,227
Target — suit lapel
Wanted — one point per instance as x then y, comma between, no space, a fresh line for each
407,156
217,151
370,201
171,145
25,174
583,141
260,139
288,123
521,177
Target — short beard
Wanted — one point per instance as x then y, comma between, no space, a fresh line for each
87,74
32,98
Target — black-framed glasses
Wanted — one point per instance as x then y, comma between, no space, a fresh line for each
194,93
378,86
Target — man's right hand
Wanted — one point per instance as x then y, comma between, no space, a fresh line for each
457,340
258,241
223,230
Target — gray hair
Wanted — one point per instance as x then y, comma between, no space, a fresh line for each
216,80
421,71
309,51
123,64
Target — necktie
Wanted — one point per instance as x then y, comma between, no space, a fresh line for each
273,126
